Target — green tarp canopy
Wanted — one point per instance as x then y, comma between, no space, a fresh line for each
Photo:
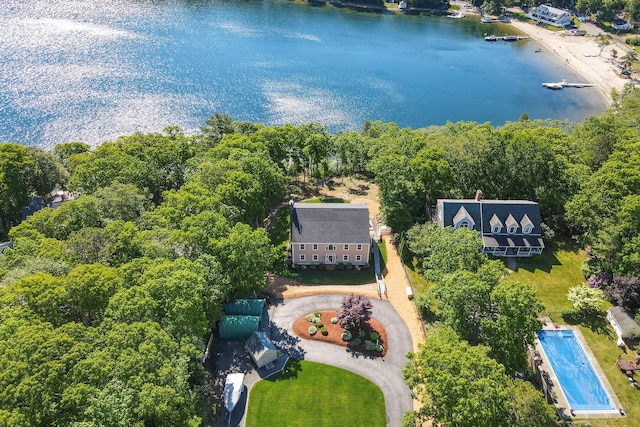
247,307
234,327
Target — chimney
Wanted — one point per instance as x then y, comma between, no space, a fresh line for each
478,195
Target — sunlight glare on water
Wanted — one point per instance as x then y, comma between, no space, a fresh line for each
92,70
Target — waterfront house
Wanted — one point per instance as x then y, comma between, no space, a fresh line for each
550,16
509,228
329,233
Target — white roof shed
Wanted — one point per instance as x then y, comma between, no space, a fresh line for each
261,349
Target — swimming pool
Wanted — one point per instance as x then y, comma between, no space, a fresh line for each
579,382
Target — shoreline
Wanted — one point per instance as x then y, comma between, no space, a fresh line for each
582,54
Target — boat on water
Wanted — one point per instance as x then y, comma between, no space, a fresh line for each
564,83
458,15
510,38
233,388
490,38
554,85
486,20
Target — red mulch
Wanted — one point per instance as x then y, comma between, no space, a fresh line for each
301,328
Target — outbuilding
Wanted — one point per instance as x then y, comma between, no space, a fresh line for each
234,327
261,349
626,328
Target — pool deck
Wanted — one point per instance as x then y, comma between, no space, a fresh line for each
554,389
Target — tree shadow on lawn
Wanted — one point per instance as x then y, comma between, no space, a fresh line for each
544,262
596,322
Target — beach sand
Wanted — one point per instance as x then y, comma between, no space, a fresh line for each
582,53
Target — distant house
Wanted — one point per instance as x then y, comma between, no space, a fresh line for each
5,245
550,15
37,203
621,25
329,233
509,228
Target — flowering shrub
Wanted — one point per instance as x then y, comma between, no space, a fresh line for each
334,320
312,330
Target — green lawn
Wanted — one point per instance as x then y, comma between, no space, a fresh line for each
313,394
551,275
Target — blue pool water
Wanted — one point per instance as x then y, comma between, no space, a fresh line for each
574,372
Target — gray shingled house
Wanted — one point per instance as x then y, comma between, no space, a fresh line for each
509,228
329,233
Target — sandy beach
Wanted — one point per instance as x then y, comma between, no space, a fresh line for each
582,53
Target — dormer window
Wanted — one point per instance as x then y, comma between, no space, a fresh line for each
512,224
496,224
526,224
463,219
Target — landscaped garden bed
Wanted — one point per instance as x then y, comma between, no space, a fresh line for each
334,333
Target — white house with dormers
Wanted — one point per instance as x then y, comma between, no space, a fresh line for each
550,15
509,228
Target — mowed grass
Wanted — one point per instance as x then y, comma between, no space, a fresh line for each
314,394
551,275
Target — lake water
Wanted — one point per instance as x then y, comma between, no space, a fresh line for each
91,70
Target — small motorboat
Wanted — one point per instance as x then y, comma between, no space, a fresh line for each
555,85
458,15
233,388
490,38
486,20
510,38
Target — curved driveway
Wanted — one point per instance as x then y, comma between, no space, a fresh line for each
385,372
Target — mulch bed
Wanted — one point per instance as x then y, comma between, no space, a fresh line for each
301,328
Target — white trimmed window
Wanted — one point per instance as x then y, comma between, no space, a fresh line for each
346,247
315,257
358,257
512,229
302,246
345,257
527,229
331,248
359,247
302,257
315,247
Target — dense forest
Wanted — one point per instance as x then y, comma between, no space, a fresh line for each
105,301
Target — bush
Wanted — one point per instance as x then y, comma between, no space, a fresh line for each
324,331
349,266
374,336
318,314
371,346
356,342
334,320
319,323
312,330
313,266
340,267
633,41
361,334
310,317
346,336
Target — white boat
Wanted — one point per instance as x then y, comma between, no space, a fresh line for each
486,20
459,15
555,85
233,388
